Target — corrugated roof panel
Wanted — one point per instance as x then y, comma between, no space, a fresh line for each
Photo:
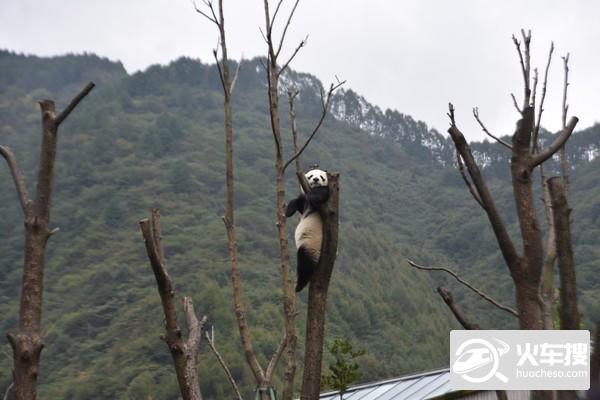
432,385
423,382
372,394
415,387
398,388
445,388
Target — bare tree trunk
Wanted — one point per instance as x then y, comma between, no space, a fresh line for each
317,294
184,352
569,314
27,343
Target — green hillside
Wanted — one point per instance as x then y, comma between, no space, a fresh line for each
155,139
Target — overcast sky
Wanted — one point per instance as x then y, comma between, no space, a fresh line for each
409,55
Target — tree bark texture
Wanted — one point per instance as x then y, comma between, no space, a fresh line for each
317,294
569,314
27,343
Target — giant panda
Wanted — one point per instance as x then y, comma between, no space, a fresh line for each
309,232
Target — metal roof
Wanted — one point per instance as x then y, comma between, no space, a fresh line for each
414,387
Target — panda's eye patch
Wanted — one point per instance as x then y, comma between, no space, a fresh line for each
323,179
310,176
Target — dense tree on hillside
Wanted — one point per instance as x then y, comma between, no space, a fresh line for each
100,318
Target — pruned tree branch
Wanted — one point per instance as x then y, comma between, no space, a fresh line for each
458,314
504,241
560,141
502,142
18,178
223,365
479,292
76,100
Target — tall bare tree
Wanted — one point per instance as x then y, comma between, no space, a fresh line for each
274,70
532,276
27,342
526,267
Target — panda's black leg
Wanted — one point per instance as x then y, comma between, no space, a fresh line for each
305,269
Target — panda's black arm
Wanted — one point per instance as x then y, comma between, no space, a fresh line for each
318,196
297,204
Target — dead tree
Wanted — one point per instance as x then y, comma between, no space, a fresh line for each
27,343
184,352
530,270
262,376
318,289
526,267
274,71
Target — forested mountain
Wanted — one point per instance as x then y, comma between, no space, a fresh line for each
155,139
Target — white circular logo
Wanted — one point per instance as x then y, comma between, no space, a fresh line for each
477,360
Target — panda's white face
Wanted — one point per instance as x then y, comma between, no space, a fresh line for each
316,178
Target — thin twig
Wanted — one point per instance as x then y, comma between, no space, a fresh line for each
235,76
467,284
220,71
287,25
8,391
461,168
224,366
209,4
514,99
565,106
502,142
324,111
564,162
542,98
301,45
276,356
275,15
18,178
291,97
